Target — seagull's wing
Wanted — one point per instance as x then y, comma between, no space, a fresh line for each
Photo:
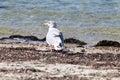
58,36
62,39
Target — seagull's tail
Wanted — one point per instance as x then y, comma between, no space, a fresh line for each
59,47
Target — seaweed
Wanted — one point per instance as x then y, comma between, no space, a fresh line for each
74,41
33,38
108,43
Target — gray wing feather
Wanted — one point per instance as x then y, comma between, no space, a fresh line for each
61,44
62,39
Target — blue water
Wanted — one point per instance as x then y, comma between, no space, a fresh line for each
29,15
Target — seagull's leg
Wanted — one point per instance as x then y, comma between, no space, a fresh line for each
50,48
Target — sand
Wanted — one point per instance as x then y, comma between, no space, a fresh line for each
28,61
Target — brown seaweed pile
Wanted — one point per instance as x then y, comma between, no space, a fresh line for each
108,43
75,41
27,54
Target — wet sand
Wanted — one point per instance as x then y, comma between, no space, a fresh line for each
28,61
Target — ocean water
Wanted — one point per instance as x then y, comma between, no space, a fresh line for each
74,17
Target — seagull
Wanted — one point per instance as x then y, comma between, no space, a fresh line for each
54,37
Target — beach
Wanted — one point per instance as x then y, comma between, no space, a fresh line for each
91,34
29,61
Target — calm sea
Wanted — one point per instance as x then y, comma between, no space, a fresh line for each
29,15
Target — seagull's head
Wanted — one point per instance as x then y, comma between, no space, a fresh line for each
51,24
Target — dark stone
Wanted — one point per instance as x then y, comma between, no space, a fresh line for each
43,39
33,38
74,41
3,38
108,43
1,7
16,36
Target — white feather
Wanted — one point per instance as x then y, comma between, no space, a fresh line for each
54,37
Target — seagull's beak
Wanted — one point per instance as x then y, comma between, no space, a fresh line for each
45,24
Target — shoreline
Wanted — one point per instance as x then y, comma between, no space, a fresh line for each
89,35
